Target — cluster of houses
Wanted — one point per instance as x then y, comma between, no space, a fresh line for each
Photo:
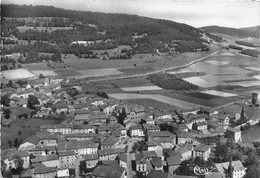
99,131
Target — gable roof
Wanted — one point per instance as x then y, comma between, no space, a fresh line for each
42,170
157,162
74,145
173,160
202,147
156,174
108,171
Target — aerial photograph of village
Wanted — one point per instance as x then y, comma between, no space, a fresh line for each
130,89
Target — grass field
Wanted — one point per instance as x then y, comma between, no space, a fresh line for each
203,99
246,83
17,74
33,123
153,103
164,99
201,82
132,82
24,28
67,72
98,72
219,93
251,135
44,72
36,66
12,133
142,88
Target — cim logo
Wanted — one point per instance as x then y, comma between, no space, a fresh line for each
202,170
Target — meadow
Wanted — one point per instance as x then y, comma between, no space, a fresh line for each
17,74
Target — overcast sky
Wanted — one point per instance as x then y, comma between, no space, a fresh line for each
235,14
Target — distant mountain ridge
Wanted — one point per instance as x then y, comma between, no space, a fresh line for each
243,32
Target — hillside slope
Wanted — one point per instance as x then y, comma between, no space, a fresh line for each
252,29
231,31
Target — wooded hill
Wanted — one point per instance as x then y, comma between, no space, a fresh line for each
119,28
246,32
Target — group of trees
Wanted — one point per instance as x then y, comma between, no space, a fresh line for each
168,81
117,27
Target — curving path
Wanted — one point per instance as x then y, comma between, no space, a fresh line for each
153,72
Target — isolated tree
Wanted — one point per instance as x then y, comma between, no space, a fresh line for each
18,162
5,100
16,143
10,83
140,146
32,102
10,143
41,75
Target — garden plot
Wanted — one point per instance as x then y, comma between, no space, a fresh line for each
256,77
218,63
228,54
219,93
253,68
98,72
164,99
44,72
17,74
201,82
213,69
246,83
141,88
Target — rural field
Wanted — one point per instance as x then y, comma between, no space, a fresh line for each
160,98
24,28
142,88
18,74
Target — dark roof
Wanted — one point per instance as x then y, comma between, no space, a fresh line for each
10,153
110,151
44,158
109,141
161,134
149,154
27,173
123,157
32,139
73,145
173,160
156,174
91,157
157,162
110,162
43,170
66,153
108,171
202,147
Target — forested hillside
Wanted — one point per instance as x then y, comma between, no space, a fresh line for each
231,31
110,30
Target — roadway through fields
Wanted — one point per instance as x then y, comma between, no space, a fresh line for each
153,72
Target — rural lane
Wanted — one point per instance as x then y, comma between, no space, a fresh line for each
153,72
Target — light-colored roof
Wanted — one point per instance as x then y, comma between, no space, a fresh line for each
237,165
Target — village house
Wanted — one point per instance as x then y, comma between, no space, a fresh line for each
123,160
10,155
61,128
40,172
67,159
60,107
203,151
80,148
191,119
185,151
25,93
80,136
91,160
158,163
150,128
238,169
234,133
143,166
200,126
83,129
133,112
162,134
104,171
80,98
173,163
184,137
109,154
109,142
136,131
48,160
63,173
91,118
43,150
